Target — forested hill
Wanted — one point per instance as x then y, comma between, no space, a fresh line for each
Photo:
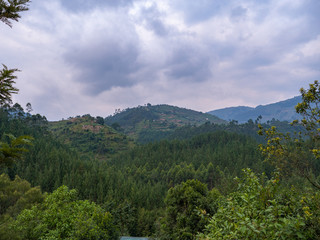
283,111
90,135
150,123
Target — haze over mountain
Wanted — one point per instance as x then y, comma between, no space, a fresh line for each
283,111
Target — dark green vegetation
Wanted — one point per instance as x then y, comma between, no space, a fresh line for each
151,123
283,111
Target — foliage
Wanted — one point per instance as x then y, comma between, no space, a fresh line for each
258,210
249,128
15,196
6,85
183,204
10,10
62,216
300,154
13,149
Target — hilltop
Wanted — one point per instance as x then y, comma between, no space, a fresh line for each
149,123
88,135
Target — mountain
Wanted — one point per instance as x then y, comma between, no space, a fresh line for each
283,111
89,136
150,123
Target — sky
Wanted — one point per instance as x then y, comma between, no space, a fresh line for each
91,57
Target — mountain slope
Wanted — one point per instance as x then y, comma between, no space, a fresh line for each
283,111
87,136
150,123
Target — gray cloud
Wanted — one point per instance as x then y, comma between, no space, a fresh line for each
188,63
85,5
201,10
238,13
151,18
104,65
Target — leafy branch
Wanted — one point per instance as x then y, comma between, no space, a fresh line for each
10,9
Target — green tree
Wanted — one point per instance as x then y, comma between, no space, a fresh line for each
63,216
184,205
15,196
13,149
7,80
100,120
10,10
258,210
298,154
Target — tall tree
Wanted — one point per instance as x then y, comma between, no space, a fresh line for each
298,155
10,10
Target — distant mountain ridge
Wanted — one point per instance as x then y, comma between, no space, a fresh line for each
283,111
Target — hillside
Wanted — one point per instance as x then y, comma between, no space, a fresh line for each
87,136
150,123
283,111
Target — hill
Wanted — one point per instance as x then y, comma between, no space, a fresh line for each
283,111
150,123
88,136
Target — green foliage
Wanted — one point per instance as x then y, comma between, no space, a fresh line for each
62,216
249,129
13,149
7,79
184,202
9,152
15,196
299,154
10,10
258,210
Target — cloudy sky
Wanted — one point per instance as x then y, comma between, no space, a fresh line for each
79,56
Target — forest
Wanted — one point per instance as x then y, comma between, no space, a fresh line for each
203,182
206,181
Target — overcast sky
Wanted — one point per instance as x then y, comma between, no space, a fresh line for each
80,56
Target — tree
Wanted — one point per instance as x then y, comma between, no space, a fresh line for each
184,205
29,108
6,85
100,120
15,196
298,154
10,9
63,216
13,149
259,210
